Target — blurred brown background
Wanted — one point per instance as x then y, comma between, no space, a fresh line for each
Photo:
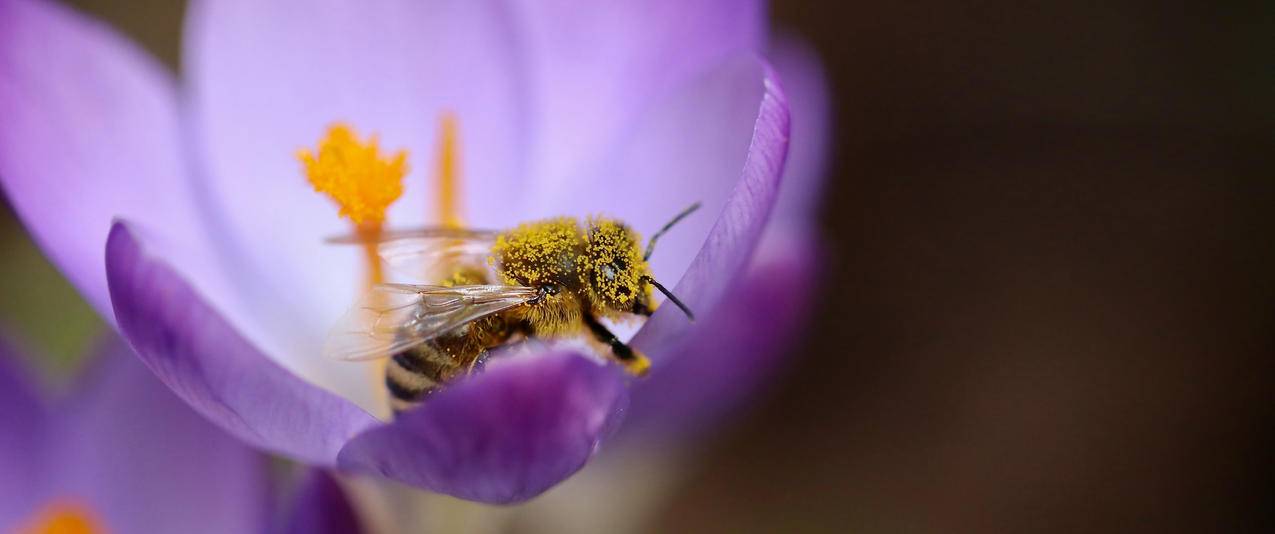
1052,253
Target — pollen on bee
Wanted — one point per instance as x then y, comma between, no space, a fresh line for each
537,253
355,174
614,261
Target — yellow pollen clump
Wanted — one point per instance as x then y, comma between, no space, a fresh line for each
63,518
355,174
539,252
612,264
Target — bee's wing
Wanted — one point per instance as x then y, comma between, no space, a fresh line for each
428,258
394,317
419,252
411,233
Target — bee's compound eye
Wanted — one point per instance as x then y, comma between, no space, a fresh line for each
551,289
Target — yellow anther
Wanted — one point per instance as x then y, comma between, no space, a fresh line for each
62,517
355,174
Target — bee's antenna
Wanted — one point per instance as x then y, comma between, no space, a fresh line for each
650,245
672,298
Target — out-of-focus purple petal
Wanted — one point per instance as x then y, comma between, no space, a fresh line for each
89,131
206,362
729,246
321,507
805,173
506,435
23,439
268,78
143,461
593,71
738,348
126,449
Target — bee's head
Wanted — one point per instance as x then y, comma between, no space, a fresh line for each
613,269
616,269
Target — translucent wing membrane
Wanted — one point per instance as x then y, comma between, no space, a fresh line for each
426,253
423,232
395,317
429,258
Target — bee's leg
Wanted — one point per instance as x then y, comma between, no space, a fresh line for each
478,360
633,361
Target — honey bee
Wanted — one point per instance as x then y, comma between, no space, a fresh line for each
546,279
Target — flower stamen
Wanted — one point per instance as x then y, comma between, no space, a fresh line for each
361,181
448,172
355,174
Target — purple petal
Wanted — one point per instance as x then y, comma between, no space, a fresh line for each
128,450
321,507
23,439
267,80
143,461
744,341
691,147
805,173
740,345
507,435
90,131
594,69
208,364
729,245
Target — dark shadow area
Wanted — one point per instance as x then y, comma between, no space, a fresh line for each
1052,259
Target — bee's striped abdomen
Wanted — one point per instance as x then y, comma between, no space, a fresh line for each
413,374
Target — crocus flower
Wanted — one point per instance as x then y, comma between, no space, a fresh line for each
118,452
216,269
